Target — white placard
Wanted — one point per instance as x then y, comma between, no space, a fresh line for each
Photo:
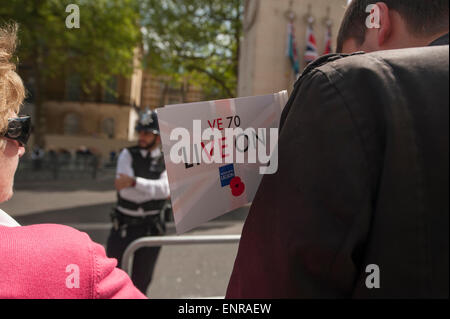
202,192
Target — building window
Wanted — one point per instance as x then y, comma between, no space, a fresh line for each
110,95
174,100
72,124
73,88
108,127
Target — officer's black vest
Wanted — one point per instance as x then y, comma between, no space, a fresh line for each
148,168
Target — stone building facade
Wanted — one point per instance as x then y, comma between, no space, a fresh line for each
104,119
264,65
159,91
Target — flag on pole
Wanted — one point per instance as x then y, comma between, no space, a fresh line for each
328,39
311,45
292,52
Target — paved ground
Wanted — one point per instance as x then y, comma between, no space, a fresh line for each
181,272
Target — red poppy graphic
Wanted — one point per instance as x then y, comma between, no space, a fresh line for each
237,186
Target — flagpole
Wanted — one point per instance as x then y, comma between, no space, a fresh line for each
311,52
309,18
328,23
292,51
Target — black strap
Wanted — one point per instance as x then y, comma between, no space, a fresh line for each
147,206
154,223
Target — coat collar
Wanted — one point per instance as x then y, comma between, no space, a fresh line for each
6,220
441,41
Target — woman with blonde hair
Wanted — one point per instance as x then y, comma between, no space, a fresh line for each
43,261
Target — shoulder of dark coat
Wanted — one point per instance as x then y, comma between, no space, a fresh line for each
411,59
324,60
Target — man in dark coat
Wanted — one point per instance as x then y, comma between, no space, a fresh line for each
359,206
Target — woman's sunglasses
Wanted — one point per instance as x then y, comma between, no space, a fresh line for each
19,129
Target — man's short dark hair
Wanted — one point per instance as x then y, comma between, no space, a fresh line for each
423,18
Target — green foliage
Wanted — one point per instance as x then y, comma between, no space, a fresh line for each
198,39
195,39
102,47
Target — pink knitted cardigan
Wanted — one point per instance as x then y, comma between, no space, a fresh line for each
54,261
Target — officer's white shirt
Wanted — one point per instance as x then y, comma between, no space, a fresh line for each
145,189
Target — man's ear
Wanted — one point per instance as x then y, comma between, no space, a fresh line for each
385,30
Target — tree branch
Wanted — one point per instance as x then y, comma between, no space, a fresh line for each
213,77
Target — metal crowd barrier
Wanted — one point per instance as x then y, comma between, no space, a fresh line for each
58,167
128,255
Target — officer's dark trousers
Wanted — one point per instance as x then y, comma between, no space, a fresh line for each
144,259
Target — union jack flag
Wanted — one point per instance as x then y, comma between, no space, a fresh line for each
311,46
328,39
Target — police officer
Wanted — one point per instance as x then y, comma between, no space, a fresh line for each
143,192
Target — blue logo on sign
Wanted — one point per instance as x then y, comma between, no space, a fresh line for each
226,174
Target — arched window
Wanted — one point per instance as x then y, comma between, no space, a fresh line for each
72,124
108,127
